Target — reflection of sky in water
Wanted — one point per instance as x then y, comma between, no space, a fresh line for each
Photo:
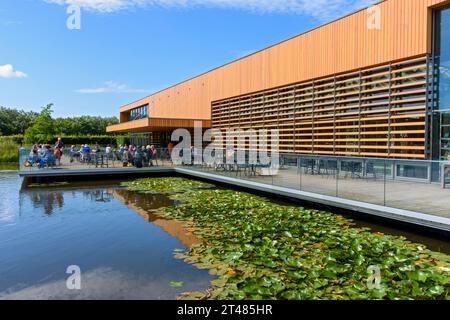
9,184
120,254
104,283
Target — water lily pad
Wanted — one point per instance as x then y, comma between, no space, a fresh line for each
176,284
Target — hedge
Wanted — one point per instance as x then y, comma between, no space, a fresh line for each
76,140
18,138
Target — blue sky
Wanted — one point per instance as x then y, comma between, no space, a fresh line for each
127,49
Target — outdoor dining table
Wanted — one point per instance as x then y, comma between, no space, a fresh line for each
100,160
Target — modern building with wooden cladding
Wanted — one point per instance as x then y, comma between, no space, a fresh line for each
375,83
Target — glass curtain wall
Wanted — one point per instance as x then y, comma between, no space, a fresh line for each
139,113
141,139
442,62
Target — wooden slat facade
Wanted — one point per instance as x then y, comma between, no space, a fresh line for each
375,112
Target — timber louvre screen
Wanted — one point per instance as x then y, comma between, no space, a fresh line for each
378,112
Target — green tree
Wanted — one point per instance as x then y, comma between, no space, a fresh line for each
14,121
43,128
84,125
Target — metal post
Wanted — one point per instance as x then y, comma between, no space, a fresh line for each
338,172
385,181
429,171
394,170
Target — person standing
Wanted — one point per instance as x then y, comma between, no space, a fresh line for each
148,156
170,147
59,144
57,153
125,157
139,157
108,152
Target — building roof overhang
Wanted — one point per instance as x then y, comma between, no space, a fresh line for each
157,125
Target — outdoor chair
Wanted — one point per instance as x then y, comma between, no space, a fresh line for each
268,171
101,161
331,167
246,169
85,157
308,166
352,169
219,167
370,170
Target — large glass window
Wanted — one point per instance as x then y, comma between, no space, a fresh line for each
441,122
139,113
443,57
445,136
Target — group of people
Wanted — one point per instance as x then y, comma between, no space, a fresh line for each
84,153
130,155
44,155
138,156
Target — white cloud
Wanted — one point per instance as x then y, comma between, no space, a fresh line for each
112,87
320,9
106,283
7,71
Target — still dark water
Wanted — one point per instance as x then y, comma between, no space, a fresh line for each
123,251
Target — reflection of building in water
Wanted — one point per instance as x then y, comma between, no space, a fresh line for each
101,195
144,204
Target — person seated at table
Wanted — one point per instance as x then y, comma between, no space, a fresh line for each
46,158
41,150
73,153
57,153
85,153
96,149
34,154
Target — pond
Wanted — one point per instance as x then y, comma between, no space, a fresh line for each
126,244
123,252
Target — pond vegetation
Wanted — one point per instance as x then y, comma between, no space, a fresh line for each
9,152
262,250
8,167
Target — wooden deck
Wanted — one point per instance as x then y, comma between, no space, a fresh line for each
356,195
421,197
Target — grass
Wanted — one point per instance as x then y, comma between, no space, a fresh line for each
9,152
